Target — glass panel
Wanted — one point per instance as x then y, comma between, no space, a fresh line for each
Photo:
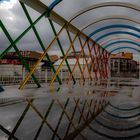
3,136
67,8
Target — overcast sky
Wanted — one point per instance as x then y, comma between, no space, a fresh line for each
16,22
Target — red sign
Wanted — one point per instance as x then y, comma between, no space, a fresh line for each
8,61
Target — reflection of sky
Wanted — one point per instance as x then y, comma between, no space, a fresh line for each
16,22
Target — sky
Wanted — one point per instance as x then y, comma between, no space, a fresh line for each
14,19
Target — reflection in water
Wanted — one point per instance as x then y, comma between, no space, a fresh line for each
102,111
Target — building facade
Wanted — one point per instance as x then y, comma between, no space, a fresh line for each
12,71
123,65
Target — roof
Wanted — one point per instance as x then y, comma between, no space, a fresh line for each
122,55
30,55
54,58
72,61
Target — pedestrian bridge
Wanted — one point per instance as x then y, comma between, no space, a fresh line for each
93,106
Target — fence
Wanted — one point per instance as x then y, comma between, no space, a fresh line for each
43,76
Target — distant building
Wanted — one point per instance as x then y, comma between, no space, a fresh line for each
12,69
72,59
30,56
122,64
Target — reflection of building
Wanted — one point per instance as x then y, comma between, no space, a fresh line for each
122,64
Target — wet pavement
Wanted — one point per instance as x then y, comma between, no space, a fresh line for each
117,100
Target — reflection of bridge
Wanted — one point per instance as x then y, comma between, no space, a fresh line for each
67,113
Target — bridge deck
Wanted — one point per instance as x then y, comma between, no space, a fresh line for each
88,122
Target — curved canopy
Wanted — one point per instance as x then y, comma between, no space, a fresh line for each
104,20
129,27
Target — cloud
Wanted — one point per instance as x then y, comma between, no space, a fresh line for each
7,4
